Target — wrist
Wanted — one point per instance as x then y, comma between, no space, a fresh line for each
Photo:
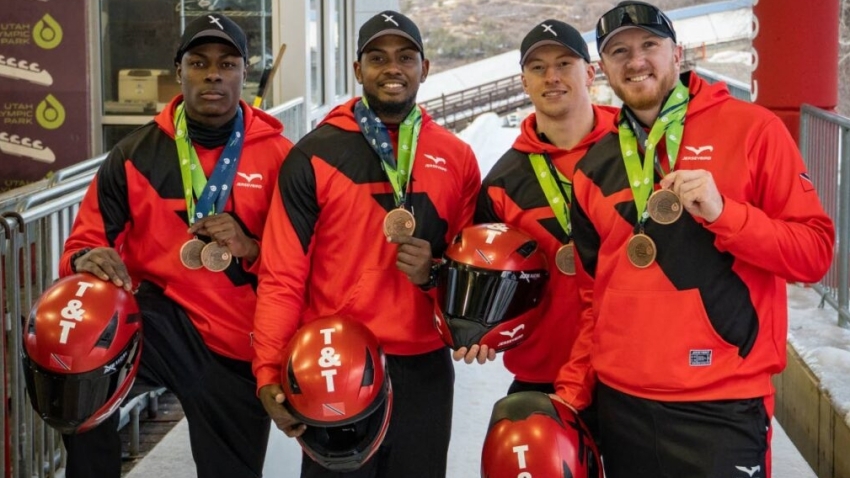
433,277
76,256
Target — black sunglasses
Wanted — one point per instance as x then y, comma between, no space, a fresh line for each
639,15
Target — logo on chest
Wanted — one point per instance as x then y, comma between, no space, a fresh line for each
436,162
698,153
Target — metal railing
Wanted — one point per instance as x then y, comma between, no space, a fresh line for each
738,89
457,109
825,146
35,220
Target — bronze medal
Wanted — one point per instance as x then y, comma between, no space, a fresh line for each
190,253
399,222
215,257
664,206
565,259
641,250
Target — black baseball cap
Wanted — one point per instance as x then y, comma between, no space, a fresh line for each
389,22
553,32
633,14
213,27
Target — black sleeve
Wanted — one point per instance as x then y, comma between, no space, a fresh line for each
297,183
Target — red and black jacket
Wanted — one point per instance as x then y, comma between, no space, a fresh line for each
324,248
512,194
708,319
136,205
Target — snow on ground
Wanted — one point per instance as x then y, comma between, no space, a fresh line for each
823,345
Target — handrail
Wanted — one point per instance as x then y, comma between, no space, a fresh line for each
86,167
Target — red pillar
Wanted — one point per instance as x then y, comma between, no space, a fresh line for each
796,48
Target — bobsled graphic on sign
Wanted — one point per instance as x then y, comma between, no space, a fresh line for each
20,69
17,145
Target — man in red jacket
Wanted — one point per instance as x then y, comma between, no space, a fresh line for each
689,220
364,204
530,187
177,210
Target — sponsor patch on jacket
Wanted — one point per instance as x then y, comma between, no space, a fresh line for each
700,358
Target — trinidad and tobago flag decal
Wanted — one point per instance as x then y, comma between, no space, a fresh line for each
806,182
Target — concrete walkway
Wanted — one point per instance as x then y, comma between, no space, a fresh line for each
477,387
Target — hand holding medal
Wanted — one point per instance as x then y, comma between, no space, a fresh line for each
228,240
698,192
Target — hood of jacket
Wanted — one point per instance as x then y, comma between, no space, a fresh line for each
258,124
528,141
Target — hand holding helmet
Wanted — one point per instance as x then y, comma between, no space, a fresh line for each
489,289
336,383
105,263
81,349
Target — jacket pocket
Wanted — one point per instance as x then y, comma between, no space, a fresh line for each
660,340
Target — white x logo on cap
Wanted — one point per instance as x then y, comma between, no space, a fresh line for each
389,18
548,28
214,19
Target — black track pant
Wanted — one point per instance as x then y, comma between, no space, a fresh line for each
417,441
228,427
712,439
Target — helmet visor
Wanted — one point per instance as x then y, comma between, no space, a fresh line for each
346,447
488,296
66,401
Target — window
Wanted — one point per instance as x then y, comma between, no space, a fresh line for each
316,49
341,66
139,39
138,42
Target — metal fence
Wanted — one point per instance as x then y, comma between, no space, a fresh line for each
738,89
824,141
34,222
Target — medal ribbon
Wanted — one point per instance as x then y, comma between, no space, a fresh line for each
670,123
211,194
556,188
376,134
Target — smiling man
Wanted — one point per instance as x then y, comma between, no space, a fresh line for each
690,218
365,203
172,215
529,188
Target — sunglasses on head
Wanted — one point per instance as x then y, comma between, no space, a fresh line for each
634,14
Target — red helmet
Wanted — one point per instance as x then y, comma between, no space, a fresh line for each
532,435
81,351
335,381
490,287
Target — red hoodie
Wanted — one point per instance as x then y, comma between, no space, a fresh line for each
707,320
136,205
325,252
512,194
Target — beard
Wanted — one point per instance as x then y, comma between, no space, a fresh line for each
651,97
389,109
